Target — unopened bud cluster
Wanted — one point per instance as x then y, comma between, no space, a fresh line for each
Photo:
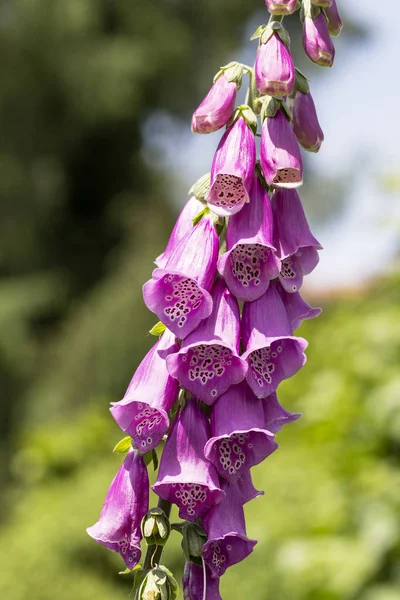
226,291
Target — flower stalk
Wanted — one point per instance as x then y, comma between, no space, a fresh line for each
227,294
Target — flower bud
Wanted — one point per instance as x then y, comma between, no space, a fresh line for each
335,22
155,527
281,7
217,107
317,42
274,68
159,584
305,122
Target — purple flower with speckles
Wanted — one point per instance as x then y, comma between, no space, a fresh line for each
305,122
232,170
335,22
272,352
185,477
250,263
280,156
217,107
274,68
281,7
208,362
296,246
317,42
275,416
193,583
179,292
297,309
183,225
126,503
224,524
143,412
239,437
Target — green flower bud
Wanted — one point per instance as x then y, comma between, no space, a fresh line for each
158,584
155,527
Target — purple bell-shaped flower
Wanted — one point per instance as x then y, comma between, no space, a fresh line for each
126,503
185,476
208,362
249,263
193,583
143,412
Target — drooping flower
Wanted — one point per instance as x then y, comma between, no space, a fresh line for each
272,352
281,7
296,246
232,170
183,225
249,263
193,583
335,22
296,307
275,416
185,477
217,107
208,362
280,156
179,292
224,524
239,439
305,122
274,68
143,412
126,503
317,42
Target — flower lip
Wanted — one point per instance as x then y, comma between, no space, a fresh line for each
228,550
178,300
144,423
228,195
207,368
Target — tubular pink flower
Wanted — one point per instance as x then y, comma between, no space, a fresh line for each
126,503
296,246
280,156
239,439
179,292
232,170
183,225
208,362
281,7
272,352
143,412
250,263
305,122
317,42
185,477
335,22
217,107
275,416
297,309
193,583
224,524
274,68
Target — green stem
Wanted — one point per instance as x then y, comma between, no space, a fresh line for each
276,19
154,552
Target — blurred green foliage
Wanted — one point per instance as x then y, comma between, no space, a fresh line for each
83,216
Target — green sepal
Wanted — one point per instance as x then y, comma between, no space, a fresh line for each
286,111
269,106
248,115
200,215
139,577
201,187
123,445
155,527
233,71
158,329
308,9
193,539
151,456
258,32
157,584
300,83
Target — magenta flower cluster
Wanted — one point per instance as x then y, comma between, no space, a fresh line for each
227,293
